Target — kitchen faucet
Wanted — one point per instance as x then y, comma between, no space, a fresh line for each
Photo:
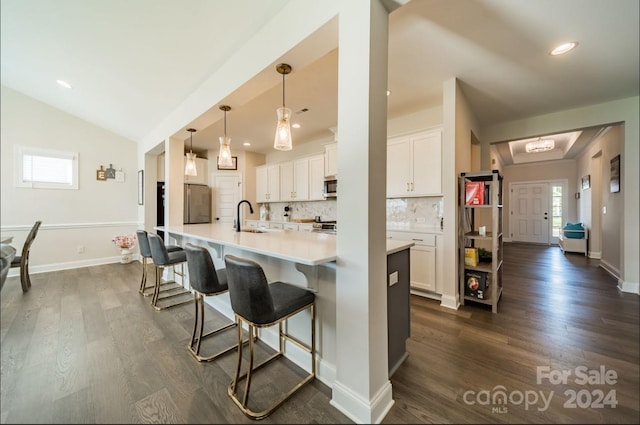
238,216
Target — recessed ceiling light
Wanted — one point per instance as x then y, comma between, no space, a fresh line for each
564,48
246,144
296,125
64,84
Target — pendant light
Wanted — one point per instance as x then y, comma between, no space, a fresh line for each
190,166
282,141
224,156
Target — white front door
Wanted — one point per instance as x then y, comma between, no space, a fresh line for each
530,216
226,189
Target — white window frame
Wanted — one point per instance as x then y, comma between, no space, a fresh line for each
21,151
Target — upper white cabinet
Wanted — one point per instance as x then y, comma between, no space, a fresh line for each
268,183
302,179
331,160
201,169
316,177
414,164
294,180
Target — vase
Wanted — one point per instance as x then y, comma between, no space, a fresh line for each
126,256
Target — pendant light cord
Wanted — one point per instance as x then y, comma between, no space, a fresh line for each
283,90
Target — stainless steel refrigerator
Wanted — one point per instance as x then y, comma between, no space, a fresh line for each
197,204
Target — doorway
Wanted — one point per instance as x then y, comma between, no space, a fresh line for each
227,192
530,212
538,211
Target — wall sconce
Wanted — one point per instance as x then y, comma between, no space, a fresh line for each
282,141
190,166
224,156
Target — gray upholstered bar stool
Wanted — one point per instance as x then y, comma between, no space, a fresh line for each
205,281
261,305
145,253
162,259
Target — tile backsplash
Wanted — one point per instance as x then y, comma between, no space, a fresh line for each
415,210
327,210
426,210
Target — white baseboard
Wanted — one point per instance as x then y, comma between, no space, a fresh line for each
630,287
613,271
69,265
359,410
596,255
450,302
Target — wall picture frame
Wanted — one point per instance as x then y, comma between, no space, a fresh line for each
234,164
101,174
141,187
586,181
615,174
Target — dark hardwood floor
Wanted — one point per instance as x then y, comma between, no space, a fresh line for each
83,347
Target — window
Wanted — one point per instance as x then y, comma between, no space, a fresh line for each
45,168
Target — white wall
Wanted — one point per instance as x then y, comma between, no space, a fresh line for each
87,217
595,161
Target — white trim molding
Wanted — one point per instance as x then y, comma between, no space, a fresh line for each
630,287
62,226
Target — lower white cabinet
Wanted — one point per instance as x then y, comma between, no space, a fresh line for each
290,226
425,273
423,267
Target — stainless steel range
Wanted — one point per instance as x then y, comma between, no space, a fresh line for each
325,227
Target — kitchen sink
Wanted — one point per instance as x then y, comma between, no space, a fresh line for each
260,230
254,230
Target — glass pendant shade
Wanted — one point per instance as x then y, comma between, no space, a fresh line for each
190,166
224,156
282,141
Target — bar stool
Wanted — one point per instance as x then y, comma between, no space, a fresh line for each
261,305
145,253
162,259
204,280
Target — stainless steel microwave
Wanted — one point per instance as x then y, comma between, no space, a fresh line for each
330,188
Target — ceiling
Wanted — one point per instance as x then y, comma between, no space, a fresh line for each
131,63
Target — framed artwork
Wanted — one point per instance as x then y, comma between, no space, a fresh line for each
141,187
615,174
111,172
586,181
234,164
101,174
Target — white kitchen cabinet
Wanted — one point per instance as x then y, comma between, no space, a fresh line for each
290,226
426,266
331,160
305,227
414,164
294,180
302,179
276,225
268,183
201,170
316,177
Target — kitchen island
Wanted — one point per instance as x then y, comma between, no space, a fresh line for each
305,259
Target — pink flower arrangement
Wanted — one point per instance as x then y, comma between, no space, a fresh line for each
124,241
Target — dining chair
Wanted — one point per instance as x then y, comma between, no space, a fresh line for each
22,260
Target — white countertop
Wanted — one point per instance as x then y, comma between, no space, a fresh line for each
308,248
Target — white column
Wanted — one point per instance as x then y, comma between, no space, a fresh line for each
362,389
174,178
